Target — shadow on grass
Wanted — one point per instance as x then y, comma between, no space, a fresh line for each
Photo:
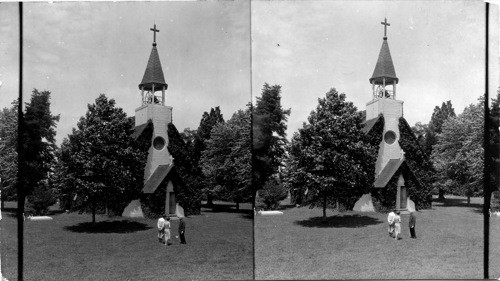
228,208
123,226
458,202
286,206
351,221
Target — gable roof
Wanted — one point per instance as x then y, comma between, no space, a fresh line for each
388,172
138,130
384,67
156,178
154,73
368,125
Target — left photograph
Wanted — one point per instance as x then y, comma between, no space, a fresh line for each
137,145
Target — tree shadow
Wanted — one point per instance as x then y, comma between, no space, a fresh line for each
456,202
286,206
348,221
228,208
123,226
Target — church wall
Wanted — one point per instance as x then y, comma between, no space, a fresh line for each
161,116
392,110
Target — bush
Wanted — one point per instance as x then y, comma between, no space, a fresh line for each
40,200
272,193
495,201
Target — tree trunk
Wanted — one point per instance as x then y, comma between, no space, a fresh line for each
210,202
468,195
237,206
324,206
93,213
441,195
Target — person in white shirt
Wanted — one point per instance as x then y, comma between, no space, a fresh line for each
161,230
397,226
390,220
167,232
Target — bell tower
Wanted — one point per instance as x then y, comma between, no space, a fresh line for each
153,108
384,81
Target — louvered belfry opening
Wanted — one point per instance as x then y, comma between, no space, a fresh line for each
384,77
153,79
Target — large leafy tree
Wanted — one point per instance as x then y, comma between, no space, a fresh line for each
227,160
202,135
269,134
100,164
39,144
493,152
420,130
439,116
434,128
458,155
8,151
199,144
331,156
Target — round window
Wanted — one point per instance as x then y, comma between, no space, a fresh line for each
390,137
159,143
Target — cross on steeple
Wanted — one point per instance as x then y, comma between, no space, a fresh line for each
154,32
385,23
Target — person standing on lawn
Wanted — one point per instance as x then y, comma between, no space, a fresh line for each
397,225
390,220
167,232
411,224
182,229
161,230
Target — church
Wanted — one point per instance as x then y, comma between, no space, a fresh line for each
398,170
152,120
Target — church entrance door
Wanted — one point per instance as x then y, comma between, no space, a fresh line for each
171,203
402,197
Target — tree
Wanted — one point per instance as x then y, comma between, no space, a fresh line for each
202,135
458,154
100,165
207,122
269,134
227,160
8,152
39,144
332,156
434,128
272,193
420,131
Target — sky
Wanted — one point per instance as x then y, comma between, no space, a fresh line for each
309,47
9,53
77,50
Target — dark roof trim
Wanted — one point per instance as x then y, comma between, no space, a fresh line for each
388,172
156,178
368,125
138,130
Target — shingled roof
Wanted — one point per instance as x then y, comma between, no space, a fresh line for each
156,178
384,67
389,170
368,125
154,73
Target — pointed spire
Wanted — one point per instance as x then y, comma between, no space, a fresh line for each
384,67
153,76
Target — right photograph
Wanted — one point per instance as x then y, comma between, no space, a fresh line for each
368,136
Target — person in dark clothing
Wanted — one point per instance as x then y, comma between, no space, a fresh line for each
411,224
182,228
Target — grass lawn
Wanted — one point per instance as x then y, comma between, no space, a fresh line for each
219,246
449,244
